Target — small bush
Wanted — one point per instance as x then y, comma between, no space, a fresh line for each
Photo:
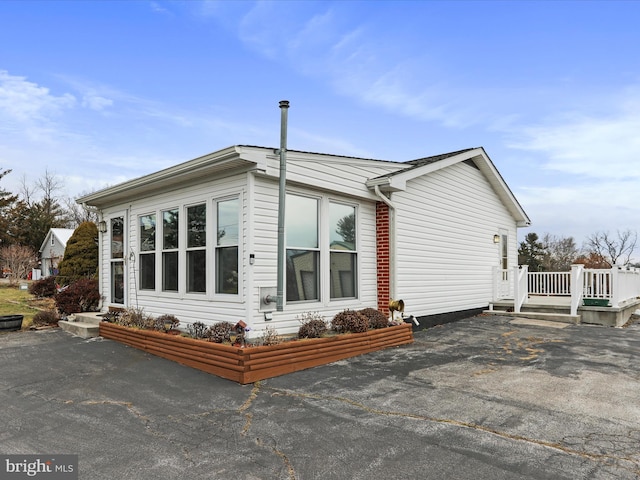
376,318
313,328
197,330
166,323
80,296
220,332
135,317
270,336
43,288
349,321
47,317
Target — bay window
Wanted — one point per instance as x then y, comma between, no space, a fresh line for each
147,227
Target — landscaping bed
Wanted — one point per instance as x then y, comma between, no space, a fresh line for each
248,364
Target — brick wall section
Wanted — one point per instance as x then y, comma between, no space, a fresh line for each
382,256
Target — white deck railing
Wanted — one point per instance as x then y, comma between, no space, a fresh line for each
618,284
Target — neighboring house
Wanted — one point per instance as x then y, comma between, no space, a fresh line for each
199,240
52,250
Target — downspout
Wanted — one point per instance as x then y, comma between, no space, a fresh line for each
392,242
282,190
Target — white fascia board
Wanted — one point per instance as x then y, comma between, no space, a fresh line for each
177,174
490,171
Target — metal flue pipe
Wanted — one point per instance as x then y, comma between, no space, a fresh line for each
284,108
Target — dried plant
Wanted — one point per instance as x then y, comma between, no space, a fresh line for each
270,336
135,317
166,323
47,317
376,318
198,330
349,321
220,332
314,328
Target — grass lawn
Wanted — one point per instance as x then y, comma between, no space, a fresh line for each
14,301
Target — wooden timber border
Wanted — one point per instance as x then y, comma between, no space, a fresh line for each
250,364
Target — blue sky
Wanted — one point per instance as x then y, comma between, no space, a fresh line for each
101,92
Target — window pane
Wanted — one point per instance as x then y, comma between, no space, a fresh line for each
197,226
147,233
148,271
117,237
342,229
117,282
170,271
228,222
301,221
302,275
197,271
227,270
343,275
170,229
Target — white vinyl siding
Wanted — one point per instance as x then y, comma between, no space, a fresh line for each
445,223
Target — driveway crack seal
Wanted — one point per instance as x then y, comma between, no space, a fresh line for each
285,459
248,416
635,467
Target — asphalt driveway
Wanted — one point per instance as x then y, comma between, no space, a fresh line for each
482,398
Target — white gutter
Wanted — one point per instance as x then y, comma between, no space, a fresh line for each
392,240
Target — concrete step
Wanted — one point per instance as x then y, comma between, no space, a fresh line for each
550,317
80,329
85,325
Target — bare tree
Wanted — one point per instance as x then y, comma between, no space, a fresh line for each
614,250
17,261
559,253
77,214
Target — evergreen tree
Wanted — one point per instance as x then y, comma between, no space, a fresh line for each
6,201
531,252
81,254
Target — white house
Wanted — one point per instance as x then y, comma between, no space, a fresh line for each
52,250
199,240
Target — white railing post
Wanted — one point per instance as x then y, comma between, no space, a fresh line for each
520,286
496,282
577,287
616,293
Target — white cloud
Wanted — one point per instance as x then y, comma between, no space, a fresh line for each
603,147
24,101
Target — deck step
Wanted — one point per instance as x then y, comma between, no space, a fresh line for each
550,317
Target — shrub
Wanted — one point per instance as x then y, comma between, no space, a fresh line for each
376,318
81,254
270,336
166,323
135,317
350,321
197,330
80,296
313,328
43,288
220,332
47,317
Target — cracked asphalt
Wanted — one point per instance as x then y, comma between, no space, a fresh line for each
482,398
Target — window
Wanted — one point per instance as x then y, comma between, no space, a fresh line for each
228,214
196,248
148,252
342,251
170,250
303,253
